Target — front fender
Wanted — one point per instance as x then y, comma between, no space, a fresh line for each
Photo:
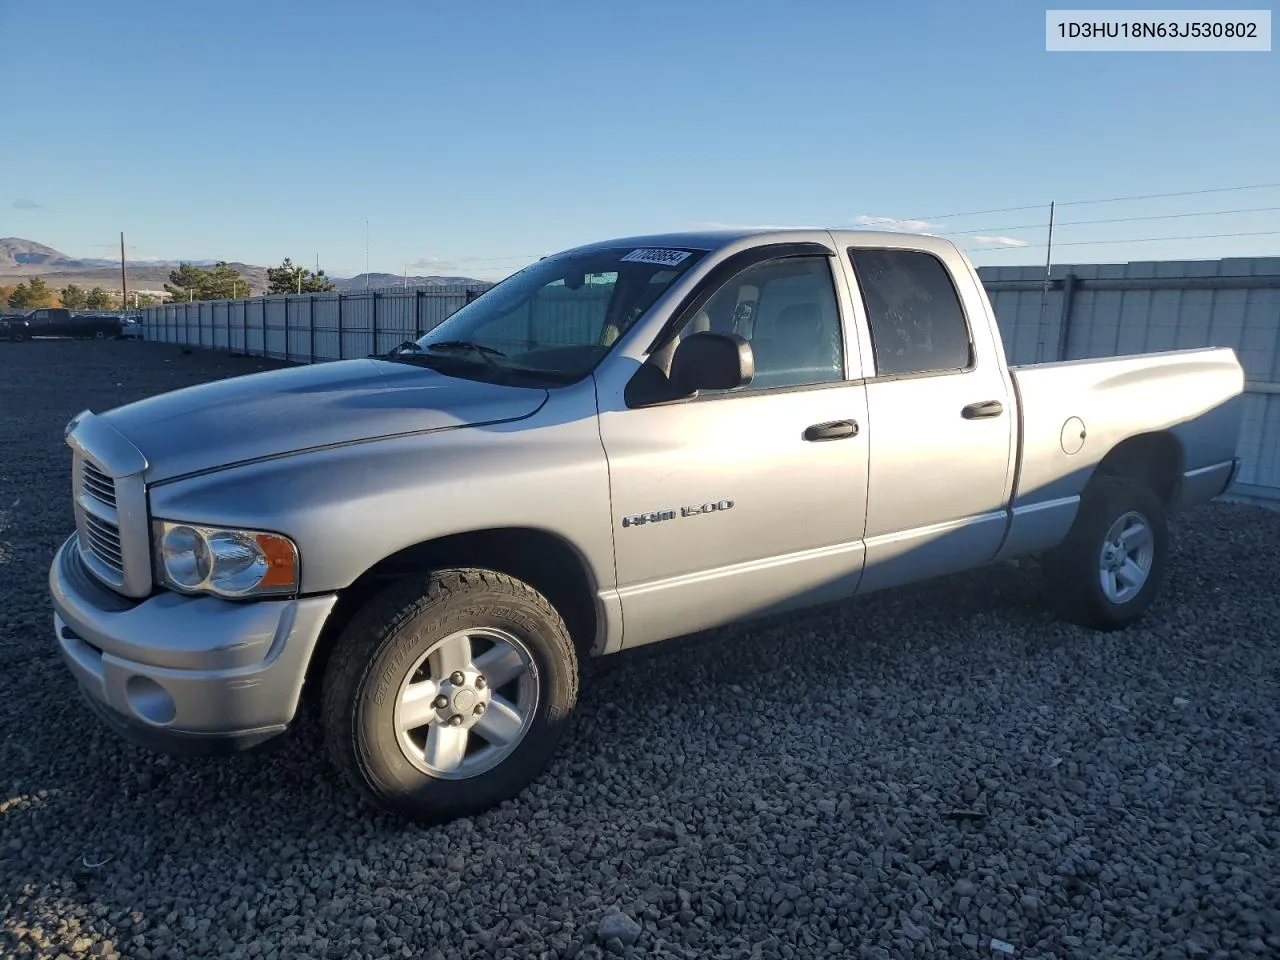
349,507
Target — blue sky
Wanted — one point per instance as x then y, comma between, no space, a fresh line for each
473,137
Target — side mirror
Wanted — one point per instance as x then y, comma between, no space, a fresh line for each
712,361
704,361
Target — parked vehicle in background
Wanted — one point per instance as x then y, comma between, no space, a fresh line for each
623,443
131,328
61,322
14,328
96,326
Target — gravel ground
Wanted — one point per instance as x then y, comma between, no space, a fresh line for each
941,770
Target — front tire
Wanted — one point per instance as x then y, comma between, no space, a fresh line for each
448,694
1111,566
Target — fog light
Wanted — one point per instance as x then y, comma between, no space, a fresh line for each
150,701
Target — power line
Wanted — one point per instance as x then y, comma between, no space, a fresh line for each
1076,223
1183,193
978,213
1094,243
1077,203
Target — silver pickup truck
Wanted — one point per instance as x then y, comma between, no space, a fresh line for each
625,442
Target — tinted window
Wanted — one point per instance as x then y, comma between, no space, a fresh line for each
917,324
787,310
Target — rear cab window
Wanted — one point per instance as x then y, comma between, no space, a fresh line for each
916,321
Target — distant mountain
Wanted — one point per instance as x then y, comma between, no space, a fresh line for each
19,254
24,259
380,281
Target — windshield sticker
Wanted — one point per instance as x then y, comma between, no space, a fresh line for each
667,258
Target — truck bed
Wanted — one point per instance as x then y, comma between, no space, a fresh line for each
1074,412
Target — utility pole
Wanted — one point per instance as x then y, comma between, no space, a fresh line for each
366,256
124,277
1044,290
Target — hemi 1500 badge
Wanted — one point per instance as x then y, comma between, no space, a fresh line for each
657,516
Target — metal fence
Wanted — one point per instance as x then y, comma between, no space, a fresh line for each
1083,310
1105,310
309,327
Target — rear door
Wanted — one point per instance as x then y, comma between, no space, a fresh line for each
60,323
943,423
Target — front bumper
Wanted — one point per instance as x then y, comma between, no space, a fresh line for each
184,674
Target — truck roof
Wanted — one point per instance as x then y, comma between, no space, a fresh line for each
716,239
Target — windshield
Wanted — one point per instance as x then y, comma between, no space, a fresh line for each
556,319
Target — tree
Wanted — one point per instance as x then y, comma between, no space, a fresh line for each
185,283
30,296
146,300
6,292
98,299
225,283
287,278
73,298
39,294
190,282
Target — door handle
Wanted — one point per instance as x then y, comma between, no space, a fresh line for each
983,411
835,430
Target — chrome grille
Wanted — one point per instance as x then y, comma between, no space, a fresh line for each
98,485
110,497
103,541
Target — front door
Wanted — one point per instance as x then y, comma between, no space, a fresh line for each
745,502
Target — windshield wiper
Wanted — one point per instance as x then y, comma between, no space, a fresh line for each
465,345
479,349
396,352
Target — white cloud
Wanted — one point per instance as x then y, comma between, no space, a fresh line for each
1000,241
428,263
895,223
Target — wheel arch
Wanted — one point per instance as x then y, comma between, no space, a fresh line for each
544,560
1156,459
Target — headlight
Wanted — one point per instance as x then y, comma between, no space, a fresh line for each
229,563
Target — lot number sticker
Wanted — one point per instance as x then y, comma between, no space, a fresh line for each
667,258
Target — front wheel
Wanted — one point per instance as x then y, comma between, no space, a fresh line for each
1111,565
448,694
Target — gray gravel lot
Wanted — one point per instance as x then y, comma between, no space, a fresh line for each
910,775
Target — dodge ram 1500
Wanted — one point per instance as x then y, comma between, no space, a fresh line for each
622,443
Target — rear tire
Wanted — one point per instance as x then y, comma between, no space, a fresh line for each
448,694
1111,566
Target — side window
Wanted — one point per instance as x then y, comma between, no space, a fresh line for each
42,315
917,323
787,310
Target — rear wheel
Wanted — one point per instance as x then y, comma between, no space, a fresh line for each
447,695
1112,564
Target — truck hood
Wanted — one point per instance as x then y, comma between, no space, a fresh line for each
287,411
